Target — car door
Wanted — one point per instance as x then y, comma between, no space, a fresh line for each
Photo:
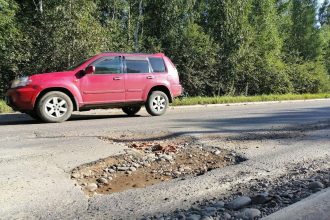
137,77
107,84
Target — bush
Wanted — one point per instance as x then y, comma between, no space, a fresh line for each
195,57
308,77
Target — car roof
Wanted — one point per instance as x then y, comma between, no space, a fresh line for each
134,54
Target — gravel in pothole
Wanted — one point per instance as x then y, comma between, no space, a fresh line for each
257,199
149,163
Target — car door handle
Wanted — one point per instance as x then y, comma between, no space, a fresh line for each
117,78
150,77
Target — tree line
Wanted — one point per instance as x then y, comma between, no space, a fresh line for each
220,47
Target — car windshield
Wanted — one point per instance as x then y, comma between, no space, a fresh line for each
77,65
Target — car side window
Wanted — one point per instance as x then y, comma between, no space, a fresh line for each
157,64
137,65
108,65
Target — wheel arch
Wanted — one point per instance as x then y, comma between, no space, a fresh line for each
58,89
163,89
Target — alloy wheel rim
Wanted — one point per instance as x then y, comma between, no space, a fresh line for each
56,107
159,103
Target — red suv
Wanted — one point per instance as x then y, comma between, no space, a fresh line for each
107,80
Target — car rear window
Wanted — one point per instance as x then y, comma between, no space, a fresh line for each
157,64
137,65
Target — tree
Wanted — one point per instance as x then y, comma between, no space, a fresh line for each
284,22
62,33
269,75
11,38
227,22
324,20
164,22
324,13
221,47
305,36
195,56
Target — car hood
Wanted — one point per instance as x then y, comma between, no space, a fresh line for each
52,75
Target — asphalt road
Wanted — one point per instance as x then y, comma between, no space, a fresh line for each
36,159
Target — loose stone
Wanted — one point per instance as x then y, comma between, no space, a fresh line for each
167,157
91,187
75,175
207,218
316,185
239,202
193,217
249,214
209,211
111,171
123,168
219,204
217,152
261,198
102,180
136,165
181,169
226,216
132,169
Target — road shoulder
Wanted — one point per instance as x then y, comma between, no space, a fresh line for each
314,207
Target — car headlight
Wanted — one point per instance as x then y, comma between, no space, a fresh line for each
23,81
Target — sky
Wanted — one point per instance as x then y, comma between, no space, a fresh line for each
321,1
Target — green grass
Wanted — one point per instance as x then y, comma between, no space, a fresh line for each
4,108
222,99
238,99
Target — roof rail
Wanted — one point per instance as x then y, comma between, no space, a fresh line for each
134,53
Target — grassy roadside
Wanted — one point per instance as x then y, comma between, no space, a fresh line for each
238,99
223,99
4,108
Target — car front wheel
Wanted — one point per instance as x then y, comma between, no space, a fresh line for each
131,110
157,103
54,107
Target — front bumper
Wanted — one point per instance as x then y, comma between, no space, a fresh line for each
21,99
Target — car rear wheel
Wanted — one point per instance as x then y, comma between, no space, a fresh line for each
54,107
131,110
157,103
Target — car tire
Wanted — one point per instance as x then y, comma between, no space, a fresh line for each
54,107
157,103
131,110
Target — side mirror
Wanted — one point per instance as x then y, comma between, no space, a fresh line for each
90,70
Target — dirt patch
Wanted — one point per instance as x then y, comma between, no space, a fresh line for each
149,136
149,163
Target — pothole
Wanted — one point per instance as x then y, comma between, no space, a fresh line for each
149,163
259,197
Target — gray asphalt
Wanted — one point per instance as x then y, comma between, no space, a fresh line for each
36,159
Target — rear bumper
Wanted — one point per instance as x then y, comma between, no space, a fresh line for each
21,99
177,90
